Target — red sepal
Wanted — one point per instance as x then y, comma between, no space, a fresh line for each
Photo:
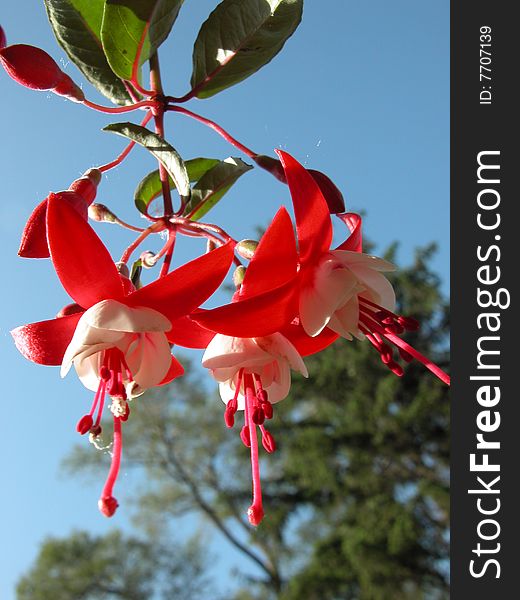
313,224
354,242
34,236
82,263
305,344
275,261
187,333
184,289
45,342
175,370
253,317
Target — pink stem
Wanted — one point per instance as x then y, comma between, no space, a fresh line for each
119,109
222,132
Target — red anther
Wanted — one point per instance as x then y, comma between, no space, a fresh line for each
395,328
268,441
108,505
245,436
387,353
258,416
262,396
96,430
229,418
406,356
267,407
84,424
409,323
255,514
124,418
104,373
382,315
395,368
388,321
232,406
70,309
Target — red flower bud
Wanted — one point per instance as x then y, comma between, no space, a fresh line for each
331,193
33,68
108,505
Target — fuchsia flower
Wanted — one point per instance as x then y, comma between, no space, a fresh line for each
116,337
344,289
80,195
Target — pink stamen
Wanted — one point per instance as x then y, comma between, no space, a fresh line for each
107,503
255,512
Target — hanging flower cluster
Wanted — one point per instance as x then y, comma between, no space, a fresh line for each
295,295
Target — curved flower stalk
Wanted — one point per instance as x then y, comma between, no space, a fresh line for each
343,289
80,195
117,338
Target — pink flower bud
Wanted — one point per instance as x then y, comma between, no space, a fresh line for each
32,67
86,185
108,505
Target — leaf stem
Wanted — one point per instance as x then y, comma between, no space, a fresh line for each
120,109
209,123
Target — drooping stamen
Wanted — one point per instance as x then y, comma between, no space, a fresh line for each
263,399
255,512
232,405
107,504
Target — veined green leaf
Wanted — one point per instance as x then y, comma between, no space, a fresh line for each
132,30
77,27
151,187
240,37
164,152
213,185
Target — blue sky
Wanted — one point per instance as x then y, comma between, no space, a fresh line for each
360,92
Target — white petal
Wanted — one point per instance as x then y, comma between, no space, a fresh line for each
227,392
345,320
280,387
87,370
115,316
149,360
349,259
225,351
279,346
313,315
381,290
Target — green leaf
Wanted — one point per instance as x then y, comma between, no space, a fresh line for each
151,187
166,154
132,30
77,27
240,37
213,185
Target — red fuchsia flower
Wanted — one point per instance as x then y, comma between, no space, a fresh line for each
117,338
33,68
80,195
343,289
260,341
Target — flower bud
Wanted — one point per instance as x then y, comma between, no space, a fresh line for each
101,213
238,275
331,193
273,165
148,259
86,185
246,248
33,68
108,505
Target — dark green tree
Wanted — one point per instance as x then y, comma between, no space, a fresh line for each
356,495
110,567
